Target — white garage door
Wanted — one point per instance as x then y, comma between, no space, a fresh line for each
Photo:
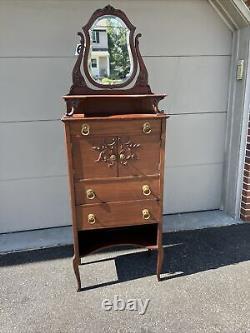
187,50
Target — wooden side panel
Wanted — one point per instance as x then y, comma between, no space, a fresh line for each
160,256
117,214
162,160
110,190
72,193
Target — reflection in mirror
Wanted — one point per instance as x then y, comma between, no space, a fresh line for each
110,61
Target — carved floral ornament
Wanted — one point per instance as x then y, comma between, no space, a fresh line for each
117,149
127,150
107,152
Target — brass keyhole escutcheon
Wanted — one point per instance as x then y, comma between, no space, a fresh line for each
146,190
85,129
91,218
146,128
90,194
146,214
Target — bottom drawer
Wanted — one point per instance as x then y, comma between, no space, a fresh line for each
118,214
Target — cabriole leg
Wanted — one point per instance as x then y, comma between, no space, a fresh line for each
77,273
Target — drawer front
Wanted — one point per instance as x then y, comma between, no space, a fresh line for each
116,190
92,127
118,214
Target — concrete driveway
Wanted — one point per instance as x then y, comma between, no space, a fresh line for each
205,287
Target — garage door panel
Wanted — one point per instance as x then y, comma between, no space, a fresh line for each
32,149
209,33
57,37
193,84
38,85
193,188
56,23
34,203
195,139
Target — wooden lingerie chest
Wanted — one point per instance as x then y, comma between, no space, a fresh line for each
115,142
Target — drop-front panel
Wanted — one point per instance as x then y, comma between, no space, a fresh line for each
115,148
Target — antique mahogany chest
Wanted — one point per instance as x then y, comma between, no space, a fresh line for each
115,141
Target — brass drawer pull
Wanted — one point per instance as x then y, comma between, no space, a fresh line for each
146,190
146,128
146,214
90,194
91,218
85,129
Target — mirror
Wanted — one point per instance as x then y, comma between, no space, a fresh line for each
110,61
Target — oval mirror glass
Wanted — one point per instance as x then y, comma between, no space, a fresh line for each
110,61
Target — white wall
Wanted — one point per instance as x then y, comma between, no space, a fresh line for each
187,49
103,40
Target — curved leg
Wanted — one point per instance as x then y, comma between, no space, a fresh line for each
77,273
160,257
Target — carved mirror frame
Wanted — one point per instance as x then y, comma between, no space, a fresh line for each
85,84
109,11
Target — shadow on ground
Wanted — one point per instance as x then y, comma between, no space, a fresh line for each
186,253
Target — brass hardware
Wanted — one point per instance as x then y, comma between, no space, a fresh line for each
122,157
91,218
90,194
146,190
113,158
146,214
85,129
146,128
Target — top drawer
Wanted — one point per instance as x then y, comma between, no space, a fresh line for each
91,127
